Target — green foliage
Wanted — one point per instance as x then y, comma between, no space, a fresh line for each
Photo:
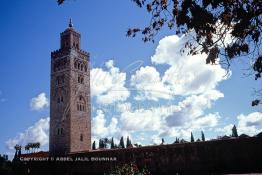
129,169
32,147
5,166
227,29
220,19
103,143
59,2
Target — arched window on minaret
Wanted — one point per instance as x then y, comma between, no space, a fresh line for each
81,104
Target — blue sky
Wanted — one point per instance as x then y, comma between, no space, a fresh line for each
30,31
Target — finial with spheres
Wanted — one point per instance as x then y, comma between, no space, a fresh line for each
70,23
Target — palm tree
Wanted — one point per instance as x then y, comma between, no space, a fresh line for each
17,151
27,148
17,147
37,145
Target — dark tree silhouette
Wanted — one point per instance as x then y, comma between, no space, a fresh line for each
37,145
177,140
17,151
60,2
163,141
103,143
203,136
128,142
94,145
121,143
234,131
112,143
100,144
192,137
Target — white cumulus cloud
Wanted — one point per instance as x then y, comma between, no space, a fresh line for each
39,132
187,74
39,102
108,86
149,85
101,129
250,124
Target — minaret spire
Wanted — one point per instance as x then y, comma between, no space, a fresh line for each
70,23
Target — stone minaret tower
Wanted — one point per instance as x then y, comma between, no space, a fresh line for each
70,115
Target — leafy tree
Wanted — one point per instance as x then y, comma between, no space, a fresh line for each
192,137
94,145
103,143
234,131
219,28
137,145
27,148
60,2
203,136
100,144
121,143
130,168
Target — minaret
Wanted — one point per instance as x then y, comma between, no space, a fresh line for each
70,115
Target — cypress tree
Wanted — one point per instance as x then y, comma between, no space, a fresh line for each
122,144
105,142
127,142
112,143
101,145
203,136
234,131
130,143
94,145
163,141
192,137
177,140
